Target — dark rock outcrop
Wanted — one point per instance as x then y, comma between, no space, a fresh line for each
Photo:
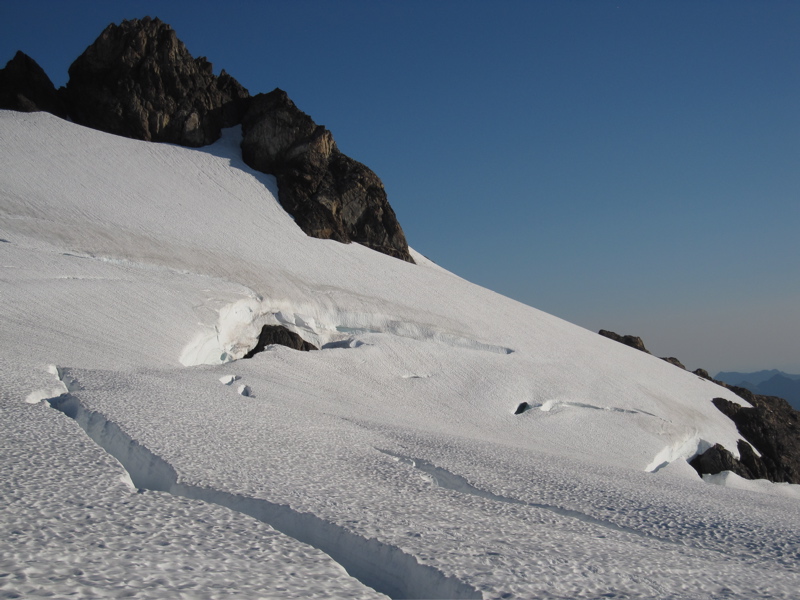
749,465
139,81
279,335
330,195
25,87
523,406
673,361
637,344
703,373
772,427
628,340
716,460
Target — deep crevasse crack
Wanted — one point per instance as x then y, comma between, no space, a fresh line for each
383,567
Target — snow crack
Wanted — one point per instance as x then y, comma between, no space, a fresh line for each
385,568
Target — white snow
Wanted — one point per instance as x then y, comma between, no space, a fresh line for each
141,274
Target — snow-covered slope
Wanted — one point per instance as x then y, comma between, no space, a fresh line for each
134,275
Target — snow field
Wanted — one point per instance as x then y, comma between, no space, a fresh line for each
72,527
142,271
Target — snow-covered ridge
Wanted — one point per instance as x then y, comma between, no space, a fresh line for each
135,266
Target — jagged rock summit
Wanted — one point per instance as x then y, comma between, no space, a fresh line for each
138,80
25,87
280,336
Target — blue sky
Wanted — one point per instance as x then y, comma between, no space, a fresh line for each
633,166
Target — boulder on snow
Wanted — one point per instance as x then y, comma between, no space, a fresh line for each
330,195
523,407
638,344
703,373
25,87
278,334
628,340
139,81
673,361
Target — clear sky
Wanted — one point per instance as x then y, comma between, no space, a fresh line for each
629,165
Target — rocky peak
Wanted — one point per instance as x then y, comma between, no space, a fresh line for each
139,80
25,87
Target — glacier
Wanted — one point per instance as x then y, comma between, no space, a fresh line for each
135,277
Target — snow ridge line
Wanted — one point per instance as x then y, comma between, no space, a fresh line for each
383,567
450,481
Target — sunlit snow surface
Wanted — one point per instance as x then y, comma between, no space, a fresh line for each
135,275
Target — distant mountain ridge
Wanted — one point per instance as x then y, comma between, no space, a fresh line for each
767,383
756,377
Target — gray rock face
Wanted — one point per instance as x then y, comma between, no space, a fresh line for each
139,81
330,195
25,87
